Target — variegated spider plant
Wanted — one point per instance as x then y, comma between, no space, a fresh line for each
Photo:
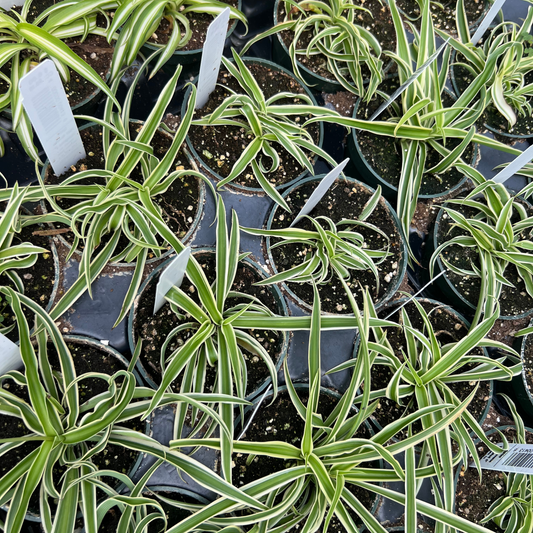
268,124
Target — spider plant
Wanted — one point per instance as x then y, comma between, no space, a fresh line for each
331,250
345,45
268,124
14,257
514,510
138,21
62,423
123,206
314,485
25,45
499,232
510,93
421,377
420,121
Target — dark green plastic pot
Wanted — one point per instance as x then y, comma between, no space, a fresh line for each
153,278
367,173
189,236
447,290
189,59
391,307
208,171
402,266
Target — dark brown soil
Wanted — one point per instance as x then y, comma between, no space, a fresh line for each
220,147
179,204
527,361
513,300
94,50
38,280
377,19
281,422
154,329
472,497
344,200
383,153
443,13
448,328
199,23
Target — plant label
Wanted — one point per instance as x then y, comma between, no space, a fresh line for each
45,101
410,80
319,192
211,57
486,22
171,276
8,4
514,166
10,355
518,458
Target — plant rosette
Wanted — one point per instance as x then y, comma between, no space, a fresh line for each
88,356
154,329
313,68
449,326
462,291
473,497
182,204
345,199
189,55
218,149
279,420
377,158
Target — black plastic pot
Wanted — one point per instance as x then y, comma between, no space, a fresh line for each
402,266
446,289
367,173
208,171
390,309
198,215
152,279
189,59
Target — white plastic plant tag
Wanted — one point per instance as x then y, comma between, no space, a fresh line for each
211,57
9,355
319,192
486,22
514,166
172,275
410,80
46,103
8,4
518,458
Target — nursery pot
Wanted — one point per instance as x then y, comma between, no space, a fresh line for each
520,385
370,175
189,59
196,215
489,489
202,159
446,288
351,188
444,326
149,285
317,82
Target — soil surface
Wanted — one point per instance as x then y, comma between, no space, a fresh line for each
154,329
513,300
281,422
374,16
448,328
474,497
38,280
179,204
383,153
344,200
219,147
198,22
